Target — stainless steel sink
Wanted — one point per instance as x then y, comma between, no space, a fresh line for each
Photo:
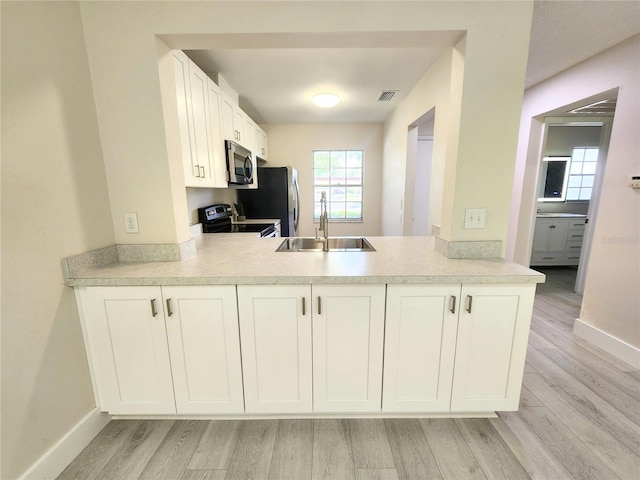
336,244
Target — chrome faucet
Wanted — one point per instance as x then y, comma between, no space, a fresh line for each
324,223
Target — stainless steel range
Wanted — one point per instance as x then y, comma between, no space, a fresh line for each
217,219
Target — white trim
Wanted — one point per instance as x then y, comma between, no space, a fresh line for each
56,459
607,342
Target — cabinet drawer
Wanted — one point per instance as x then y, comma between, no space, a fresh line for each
575,236
547,258
574,247
577,224
572,258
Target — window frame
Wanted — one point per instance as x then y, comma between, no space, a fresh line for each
581,174
328,186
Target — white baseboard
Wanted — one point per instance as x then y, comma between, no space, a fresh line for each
56,459
607,342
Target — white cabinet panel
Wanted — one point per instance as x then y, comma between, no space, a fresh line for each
348,331
202,331
420,343
275,331
557,241
199,118
183,94
199,132
218,160
493,331
128,348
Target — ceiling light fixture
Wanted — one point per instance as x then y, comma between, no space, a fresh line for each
325,100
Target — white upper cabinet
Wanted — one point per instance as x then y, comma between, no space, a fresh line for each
217,149
263,150
198,106
183,93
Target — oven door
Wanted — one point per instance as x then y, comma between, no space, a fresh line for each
239,164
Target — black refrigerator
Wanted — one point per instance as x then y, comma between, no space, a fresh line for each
277,196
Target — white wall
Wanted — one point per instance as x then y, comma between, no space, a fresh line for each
478,102
203,197
293,145
54,205
611,301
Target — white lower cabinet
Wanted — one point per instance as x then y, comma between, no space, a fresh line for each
455,348
275,331
135,344
348,336
295,349
287,370
420,347
203,338
493,332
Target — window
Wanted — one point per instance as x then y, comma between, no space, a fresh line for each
340,174
582,173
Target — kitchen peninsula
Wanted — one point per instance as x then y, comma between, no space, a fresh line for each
240,329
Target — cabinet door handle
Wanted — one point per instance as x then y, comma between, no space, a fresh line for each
552,226
452,304
319,305
169,311
154,310
469,303
197,169
304,305
202,172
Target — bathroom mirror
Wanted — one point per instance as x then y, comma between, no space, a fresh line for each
554,175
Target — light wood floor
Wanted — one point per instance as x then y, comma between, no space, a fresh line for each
579,418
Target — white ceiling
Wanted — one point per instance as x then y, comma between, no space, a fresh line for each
275,82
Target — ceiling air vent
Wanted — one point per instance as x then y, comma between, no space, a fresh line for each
386,95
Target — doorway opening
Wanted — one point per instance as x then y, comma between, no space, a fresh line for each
572,160
418,192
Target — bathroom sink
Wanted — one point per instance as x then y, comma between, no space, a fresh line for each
336,244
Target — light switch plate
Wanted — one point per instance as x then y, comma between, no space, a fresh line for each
475,217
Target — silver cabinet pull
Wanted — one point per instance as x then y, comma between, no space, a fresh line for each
319,305
169,311
304,305
452,305
469,303
202,172
197,170
154,310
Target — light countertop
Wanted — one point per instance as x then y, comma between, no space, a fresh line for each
239,259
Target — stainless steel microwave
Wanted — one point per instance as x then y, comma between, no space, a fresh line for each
240,166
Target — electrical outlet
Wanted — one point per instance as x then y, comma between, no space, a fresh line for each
131,222
475,217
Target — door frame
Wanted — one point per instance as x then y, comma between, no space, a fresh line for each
603,147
